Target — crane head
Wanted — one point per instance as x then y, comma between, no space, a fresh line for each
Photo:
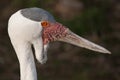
54,31
39,28
57,32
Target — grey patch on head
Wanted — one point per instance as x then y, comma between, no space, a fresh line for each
37,14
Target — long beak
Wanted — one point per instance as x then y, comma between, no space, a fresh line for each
58,32
74,39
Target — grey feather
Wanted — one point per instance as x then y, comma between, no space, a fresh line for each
37,14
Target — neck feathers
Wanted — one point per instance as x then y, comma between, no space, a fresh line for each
26,60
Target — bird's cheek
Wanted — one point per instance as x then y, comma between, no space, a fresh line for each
37,31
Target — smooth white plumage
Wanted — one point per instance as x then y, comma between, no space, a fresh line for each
23,33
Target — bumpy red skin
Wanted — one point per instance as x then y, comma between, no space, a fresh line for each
53,32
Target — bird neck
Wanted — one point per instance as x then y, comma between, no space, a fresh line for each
26,61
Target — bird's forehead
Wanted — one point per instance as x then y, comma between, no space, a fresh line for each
37,14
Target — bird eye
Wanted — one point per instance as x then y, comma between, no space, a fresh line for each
45,23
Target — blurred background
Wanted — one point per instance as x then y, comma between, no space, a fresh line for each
95,20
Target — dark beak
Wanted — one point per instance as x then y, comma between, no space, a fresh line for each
58,32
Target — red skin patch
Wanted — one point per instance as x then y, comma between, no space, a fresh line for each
53,32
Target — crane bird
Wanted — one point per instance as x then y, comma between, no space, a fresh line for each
37,27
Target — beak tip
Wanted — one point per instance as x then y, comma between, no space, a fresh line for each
106,51
109,52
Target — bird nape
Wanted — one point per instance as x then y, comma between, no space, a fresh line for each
37,27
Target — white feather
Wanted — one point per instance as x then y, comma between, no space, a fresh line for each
23,32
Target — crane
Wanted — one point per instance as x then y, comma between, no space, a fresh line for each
37,27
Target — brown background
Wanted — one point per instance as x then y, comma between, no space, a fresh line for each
96,20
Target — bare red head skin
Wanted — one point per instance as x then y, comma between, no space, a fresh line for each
58,32
53,31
